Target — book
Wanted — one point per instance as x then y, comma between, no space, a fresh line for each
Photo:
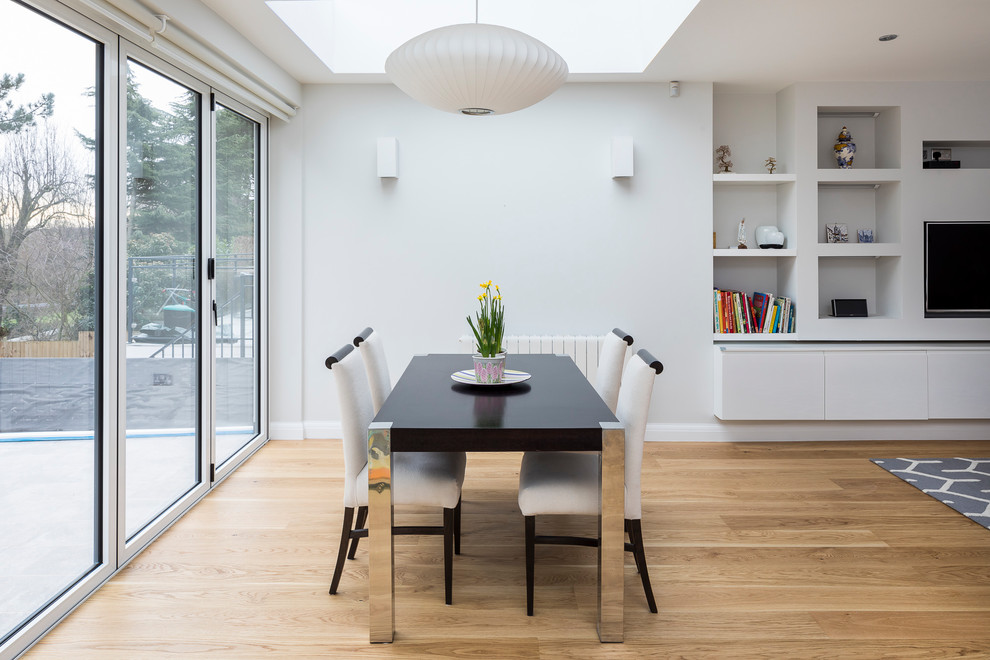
768,313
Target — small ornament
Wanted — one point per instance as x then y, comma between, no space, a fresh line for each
722,155
771,164
741,235
845,149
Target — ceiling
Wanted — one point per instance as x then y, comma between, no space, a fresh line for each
741,45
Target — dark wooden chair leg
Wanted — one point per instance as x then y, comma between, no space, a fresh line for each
345,534
457,527
448,555
530,562
639,553
362,517
629,531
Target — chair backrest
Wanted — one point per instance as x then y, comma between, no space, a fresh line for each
375,365
356,413
610,363
633,409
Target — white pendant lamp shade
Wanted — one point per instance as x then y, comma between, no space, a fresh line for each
476,69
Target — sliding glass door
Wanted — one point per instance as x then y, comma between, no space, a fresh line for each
237,159
51,216
131,303
163,225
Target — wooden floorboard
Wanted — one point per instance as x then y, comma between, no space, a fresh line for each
756,550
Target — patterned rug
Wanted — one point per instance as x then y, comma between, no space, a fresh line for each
960,483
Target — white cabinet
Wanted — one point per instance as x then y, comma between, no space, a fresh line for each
769,385
852,381
959,384
876,385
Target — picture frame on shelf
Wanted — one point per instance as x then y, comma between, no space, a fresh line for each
865,236
836,232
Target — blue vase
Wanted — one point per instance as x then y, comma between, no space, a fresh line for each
845,149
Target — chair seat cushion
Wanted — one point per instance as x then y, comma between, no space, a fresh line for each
421,478
558,483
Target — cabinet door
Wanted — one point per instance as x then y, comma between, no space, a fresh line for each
876,385
769,385
959,384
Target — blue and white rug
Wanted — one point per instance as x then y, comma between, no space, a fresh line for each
960,483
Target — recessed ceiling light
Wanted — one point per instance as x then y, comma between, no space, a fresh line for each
888,37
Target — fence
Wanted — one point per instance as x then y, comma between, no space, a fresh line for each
84,346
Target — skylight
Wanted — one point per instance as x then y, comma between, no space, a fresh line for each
593,36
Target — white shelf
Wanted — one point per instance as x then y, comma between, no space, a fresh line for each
751,253
754,336
838,177
859,250
733,178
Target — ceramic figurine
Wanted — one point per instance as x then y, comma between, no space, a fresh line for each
845,149
771,164
723,162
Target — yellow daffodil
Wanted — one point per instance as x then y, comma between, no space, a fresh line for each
490,326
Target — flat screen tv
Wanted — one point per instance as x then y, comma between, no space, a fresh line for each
957,269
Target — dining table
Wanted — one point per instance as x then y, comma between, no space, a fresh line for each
548,406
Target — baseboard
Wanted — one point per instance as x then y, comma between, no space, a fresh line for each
285,431
819,431
321,430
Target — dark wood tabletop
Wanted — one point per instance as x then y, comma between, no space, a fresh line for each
555,410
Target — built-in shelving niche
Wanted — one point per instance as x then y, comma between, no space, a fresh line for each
876,131
877,279
971,154
861,205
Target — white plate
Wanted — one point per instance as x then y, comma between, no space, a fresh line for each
511,377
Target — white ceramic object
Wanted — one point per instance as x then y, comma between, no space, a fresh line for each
768,236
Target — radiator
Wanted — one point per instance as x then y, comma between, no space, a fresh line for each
583,349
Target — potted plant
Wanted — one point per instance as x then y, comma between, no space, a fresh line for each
489,361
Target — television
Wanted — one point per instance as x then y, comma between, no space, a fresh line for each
957,269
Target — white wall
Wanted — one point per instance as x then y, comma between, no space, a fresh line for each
287,313
525,199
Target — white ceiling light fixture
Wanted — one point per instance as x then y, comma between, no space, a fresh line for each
476,69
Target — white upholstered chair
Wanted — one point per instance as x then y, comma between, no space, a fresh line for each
567,482
419,478
610,363
372,350
375,365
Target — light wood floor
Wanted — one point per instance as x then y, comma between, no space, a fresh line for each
778,550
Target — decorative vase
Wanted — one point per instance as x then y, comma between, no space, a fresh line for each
845,149
489,369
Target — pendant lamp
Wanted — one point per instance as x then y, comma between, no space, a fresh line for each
476,69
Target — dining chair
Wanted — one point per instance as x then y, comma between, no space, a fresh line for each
610,363
372,350
375,365
566,483
419,478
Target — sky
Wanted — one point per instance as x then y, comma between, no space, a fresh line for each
52,59
58,60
